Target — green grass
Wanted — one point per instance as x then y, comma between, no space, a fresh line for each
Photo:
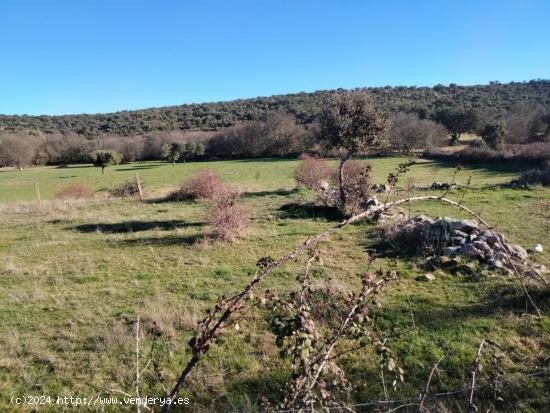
251,175
75,275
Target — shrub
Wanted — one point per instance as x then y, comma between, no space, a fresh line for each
125,190
493,134
75,191
225,215
203,185
312,171
356,185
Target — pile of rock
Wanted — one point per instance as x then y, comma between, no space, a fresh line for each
451,238
437,186
381,188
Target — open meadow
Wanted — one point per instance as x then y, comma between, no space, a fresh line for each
76,274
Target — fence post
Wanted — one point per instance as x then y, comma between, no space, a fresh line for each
138,183
38,199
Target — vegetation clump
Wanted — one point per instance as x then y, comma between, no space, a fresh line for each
204,184
313,172
494,134
225,215
126,189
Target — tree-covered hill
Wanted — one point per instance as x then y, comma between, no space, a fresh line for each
495,97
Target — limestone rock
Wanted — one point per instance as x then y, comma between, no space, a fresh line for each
426,277
518,251
470,251
451,251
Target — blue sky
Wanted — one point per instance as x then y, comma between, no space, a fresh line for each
90,56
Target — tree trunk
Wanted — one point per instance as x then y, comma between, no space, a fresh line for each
174,162
102,170
455,136
343,195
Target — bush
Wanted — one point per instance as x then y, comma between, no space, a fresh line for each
126,189
74,191
203,185
312,171
225,215
493,134
356,185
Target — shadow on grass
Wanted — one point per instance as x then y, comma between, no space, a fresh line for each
134,226
431,315
384,250
163,241
171,197
491,168
135,168
280,192
296,210
65,166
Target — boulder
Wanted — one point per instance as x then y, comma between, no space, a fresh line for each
381,188
468,225
323,185
451,251
459,233
426,277
422,218
458,240
481,245
518,251
537,248
469,251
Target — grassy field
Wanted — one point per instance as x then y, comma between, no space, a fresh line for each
74,276
250,175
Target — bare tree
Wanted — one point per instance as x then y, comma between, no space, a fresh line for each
520,121
407,132
16,151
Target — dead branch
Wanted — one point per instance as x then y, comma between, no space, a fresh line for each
474,371
427,390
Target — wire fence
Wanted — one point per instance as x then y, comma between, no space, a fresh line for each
415,400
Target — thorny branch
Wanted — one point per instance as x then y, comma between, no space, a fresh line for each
217,319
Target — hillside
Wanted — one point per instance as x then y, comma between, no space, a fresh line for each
495,97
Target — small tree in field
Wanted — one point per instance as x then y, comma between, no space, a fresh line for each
350,124
175,150
458,122
103,158
494,134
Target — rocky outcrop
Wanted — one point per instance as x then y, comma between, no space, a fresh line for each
462,240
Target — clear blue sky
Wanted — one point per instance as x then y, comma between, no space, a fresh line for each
88,56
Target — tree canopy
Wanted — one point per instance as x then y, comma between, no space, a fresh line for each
103,158
306,107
